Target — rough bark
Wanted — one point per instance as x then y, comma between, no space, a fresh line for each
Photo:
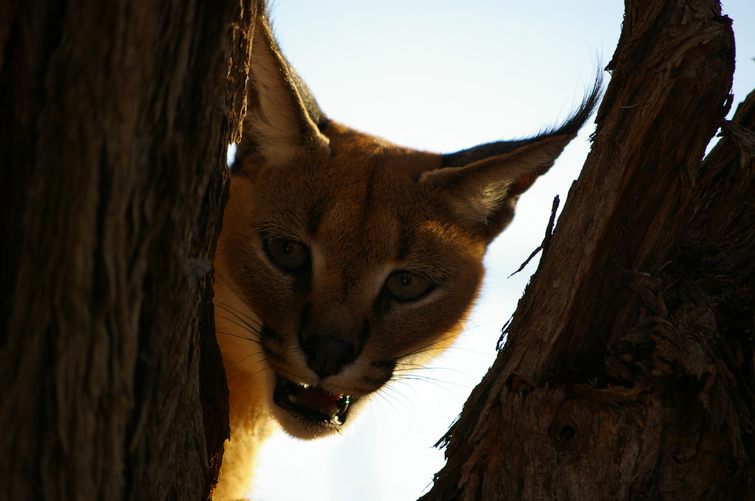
628,368
114,121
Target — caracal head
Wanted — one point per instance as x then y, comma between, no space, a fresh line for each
345,260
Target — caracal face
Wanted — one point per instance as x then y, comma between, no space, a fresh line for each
354,269
345,260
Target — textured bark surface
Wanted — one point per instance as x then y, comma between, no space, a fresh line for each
114,120
628,368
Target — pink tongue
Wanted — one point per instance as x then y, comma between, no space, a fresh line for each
318,400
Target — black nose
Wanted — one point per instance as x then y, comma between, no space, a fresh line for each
326,355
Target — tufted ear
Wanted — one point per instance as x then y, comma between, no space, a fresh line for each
282,116
483,184
483,194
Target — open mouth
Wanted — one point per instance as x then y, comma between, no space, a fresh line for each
311,402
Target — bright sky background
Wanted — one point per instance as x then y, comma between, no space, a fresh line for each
443,75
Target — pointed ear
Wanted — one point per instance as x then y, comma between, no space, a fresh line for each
483,184
483,194
279,123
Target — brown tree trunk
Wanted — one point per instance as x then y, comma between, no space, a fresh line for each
114,121
628,369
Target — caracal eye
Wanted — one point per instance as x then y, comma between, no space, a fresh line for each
407,286
288,255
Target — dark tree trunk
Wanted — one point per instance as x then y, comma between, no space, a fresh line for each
114,120
628,369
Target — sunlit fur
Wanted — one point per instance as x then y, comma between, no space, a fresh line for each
365,208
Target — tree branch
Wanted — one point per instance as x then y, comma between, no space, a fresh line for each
628,366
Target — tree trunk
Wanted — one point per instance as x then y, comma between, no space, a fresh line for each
114,121
628,368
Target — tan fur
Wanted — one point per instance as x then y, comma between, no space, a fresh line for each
363,208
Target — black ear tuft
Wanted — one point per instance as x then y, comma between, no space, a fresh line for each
569,128
483,183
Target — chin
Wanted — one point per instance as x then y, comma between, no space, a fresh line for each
309,412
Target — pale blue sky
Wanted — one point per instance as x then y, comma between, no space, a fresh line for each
443,75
